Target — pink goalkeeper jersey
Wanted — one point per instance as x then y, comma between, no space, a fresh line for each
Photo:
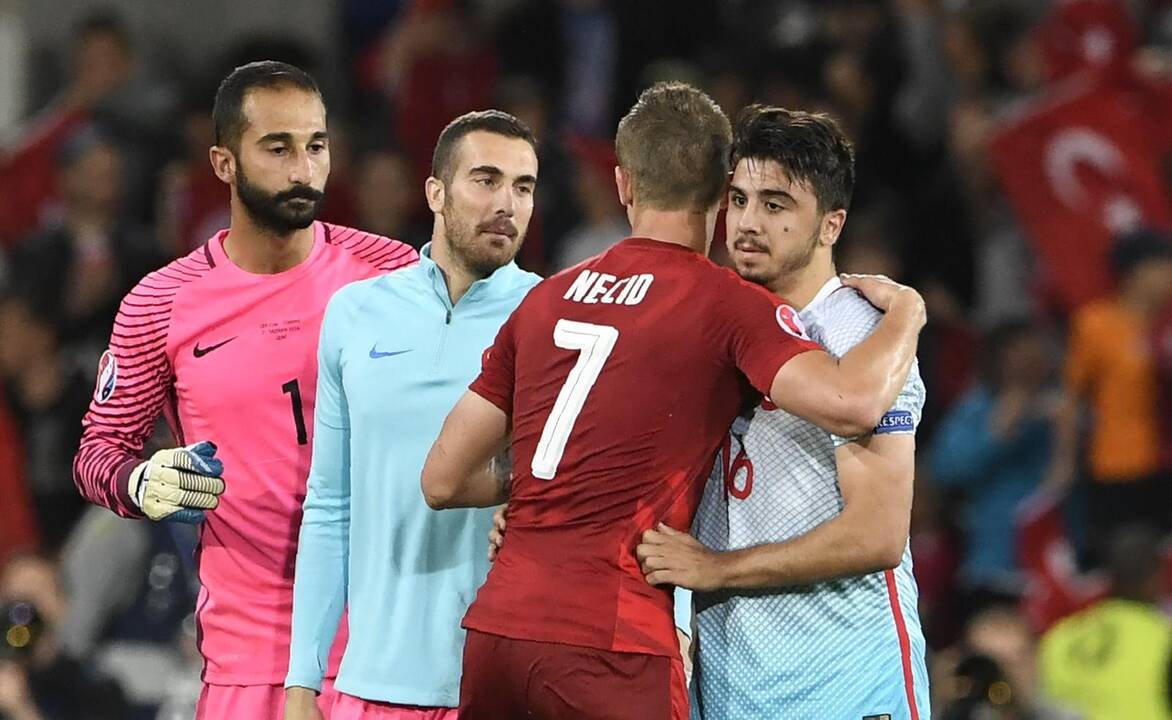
231,357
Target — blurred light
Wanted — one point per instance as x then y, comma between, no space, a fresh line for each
162,571
1000,693
18,636
796,26
21,614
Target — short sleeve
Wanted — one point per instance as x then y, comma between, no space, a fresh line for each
497,370
759,330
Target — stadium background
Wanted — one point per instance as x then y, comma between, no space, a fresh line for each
1003,147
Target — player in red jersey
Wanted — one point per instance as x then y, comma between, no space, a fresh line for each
618,380
223,342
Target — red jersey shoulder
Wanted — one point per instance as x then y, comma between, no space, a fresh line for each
378,251
727,285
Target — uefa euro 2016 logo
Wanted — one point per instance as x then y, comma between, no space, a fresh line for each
789,321
107,377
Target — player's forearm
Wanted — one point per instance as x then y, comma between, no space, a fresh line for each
463,468
875,370
486,487
836,549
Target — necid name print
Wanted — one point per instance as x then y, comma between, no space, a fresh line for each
591,288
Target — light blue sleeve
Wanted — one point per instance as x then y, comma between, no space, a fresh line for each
319,585
683,610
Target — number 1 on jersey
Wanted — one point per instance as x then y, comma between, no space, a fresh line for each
293,390
594,344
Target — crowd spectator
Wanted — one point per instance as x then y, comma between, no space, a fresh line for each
37,680
101,62
995,447
79,264
386,196
1110,367
46,394
1114,660
603,221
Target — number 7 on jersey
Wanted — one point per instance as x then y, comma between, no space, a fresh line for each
594,344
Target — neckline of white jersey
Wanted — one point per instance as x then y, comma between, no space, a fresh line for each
824,292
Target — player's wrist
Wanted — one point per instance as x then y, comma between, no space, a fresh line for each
741,570
910,306
724,569
135,484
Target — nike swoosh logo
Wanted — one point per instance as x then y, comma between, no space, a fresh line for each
200,352
375,354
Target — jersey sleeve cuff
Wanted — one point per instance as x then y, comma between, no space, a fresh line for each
769,369
122,487
505,404
303,679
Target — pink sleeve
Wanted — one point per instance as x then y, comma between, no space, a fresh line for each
383,253
134,378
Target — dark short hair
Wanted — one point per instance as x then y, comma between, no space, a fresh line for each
1134,559
79,142
497,122
810,147
102,23
1136,247
674,143
228,111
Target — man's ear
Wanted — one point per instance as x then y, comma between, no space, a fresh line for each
622,181
223,163
434,190
832,224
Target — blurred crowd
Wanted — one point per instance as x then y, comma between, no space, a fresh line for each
1013,165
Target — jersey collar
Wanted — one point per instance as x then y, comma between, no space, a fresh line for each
831,285
440,283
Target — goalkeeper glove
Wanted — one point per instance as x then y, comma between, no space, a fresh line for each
178,483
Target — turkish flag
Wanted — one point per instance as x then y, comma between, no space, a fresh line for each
1078,169
1099,36
1054,586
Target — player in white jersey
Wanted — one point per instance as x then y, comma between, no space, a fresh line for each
806,604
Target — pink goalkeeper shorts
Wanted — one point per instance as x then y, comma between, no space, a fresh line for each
348,707
263,702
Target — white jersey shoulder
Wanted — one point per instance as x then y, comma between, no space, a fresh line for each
839,318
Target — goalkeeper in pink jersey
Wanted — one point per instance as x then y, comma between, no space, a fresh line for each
222,342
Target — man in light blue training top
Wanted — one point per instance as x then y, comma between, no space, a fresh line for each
806,604
396,353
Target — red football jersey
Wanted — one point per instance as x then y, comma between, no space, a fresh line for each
622,375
